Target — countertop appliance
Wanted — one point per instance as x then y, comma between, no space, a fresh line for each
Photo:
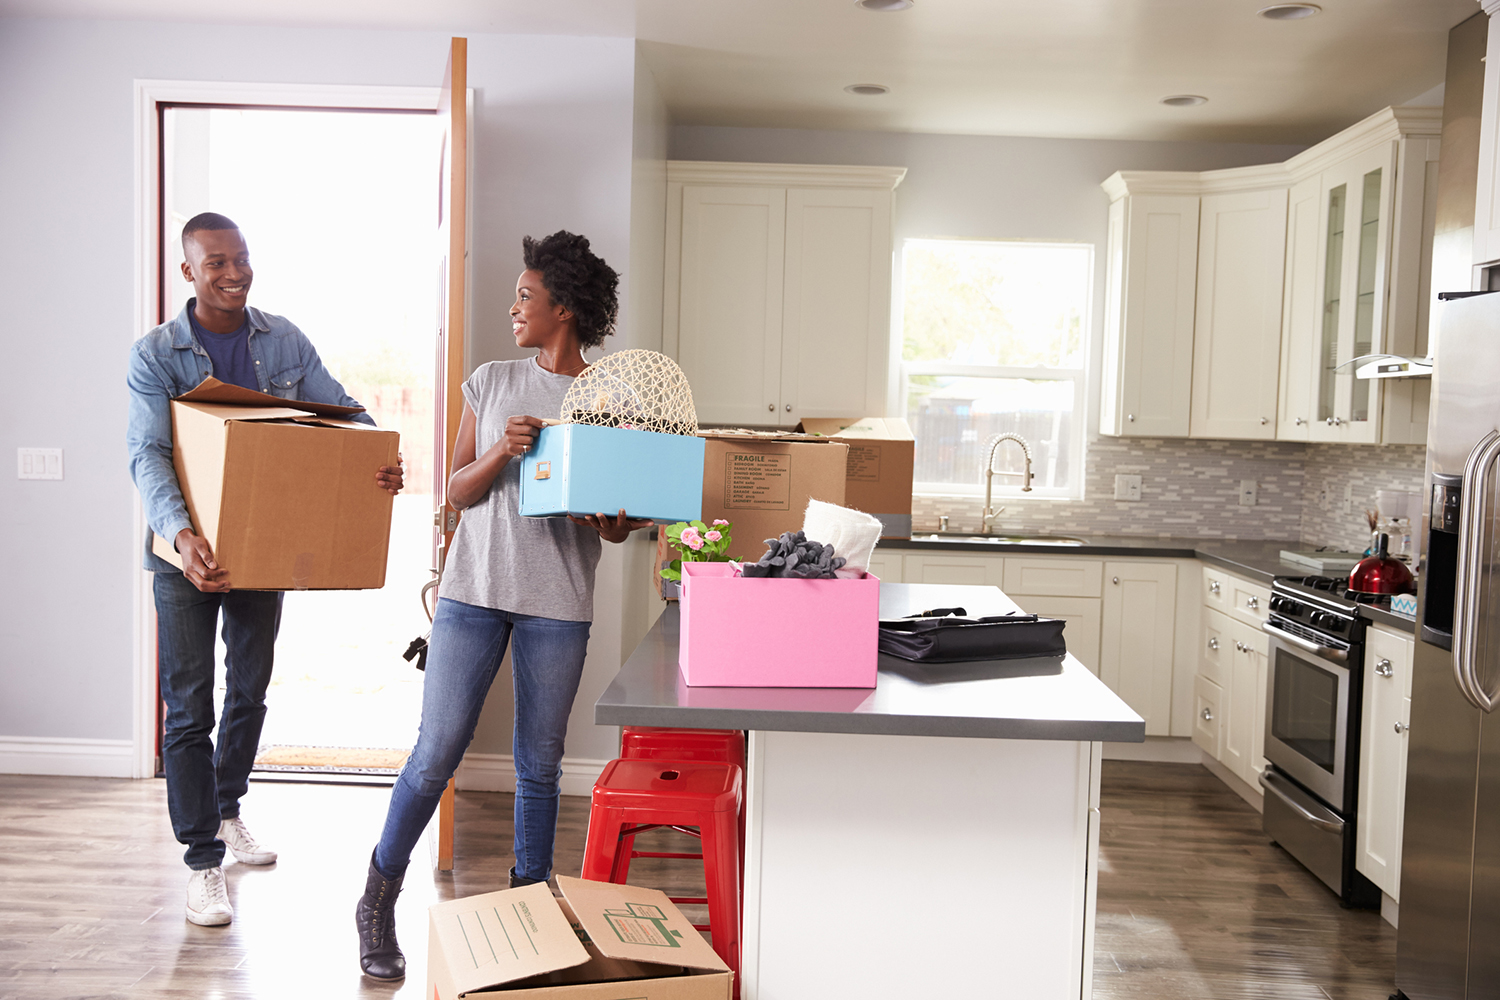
1314,689
1378,573
1448,943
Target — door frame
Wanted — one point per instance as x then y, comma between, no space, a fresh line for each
147,95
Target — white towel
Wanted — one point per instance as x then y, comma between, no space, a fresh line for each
852,533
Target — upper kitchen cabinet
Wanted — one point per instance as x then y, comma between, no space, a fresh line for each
778,288
1358,270
1148,347
1238,297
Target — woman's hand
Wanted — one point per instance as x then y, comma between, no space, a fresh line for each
611,529
520,435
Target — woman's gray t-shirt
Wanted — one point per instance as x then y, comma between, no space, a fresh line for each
542,566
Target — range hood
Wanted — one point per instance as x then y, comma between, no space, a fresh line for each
1388,366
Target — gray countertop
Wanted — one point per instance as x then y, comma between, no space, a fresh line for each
1032,699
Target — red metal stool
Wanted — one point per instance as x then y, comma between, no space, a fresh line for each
636,795
654,743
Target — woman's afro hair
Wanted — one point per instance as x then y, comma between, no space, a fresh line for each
578,280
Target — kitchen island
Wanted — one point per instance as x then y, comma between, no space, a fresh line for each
943,825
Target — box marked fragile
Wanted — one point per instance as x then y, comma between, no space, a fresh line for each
284,491
598,942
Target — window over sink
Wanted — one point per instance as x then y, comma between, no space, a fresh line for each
994,337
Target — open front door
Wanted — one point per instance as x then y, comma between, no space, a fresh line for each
453,179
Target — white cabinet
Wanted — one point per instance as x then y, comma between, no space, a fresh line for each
1084,623
1137,638
1232,669
1148,345
1243,747
1207,697
1359,245
1237,331
886,564
1382,763
928,567
1053,576
777,300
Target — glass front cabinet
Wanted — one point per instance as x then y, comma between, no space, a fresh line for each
1351,228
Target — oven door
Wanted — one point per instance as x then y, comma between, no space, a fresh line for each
1307,715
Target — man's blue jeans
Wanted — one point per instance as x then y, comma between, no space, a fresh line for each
463,658
206,778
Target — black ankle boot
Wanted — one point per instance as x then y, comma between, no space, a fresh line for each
516,881
375,918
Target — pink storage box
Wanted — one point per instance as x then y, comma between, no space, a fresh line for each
762,632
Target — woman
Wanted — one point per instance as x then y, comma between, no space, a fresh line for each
530,580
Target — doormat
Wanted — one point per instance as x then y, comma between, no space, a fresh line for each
331,760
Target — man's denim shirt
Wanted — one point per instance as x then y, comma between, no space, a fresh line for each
169,361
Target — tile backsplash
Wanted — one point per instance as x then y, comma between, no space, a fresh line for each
1191,489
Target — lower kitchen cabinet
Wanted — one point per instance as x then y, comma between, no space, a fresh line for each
1084,623
1382,758
1244,736
1232,667
1137,638
976,570
886,564
1207,721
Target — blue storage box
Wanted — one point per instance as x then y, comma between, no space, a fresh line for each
586,469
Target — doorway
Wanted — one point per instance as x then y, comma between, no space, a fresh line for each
337,208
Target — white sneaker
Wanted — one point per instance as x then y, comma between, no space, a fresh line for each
207,899
243,846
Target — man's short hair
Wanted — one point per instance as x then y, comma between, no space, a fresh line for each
205,220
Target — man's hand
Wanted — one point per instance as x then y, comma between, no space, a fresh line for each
391,478
198,563
520,434
611,529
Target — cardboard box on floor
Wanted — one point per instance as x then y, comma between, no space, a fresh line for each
881,458
598,942
761,481
284,491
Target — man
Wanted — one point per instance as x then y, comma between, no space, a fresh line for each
215,334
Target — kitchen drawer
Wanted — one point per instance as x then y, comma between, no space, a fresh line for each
1236,597
886,566
1214,655
1207,699
974,570
1053,577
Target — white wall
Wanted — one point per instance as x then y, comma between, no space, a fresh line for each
553,149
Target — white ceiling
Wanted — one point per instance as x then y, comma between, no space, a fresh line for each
1077,68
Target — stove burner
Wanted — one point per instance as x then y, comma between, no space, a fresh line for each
1338,586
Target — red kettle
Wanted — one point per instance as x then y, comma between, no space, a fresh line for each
1378,573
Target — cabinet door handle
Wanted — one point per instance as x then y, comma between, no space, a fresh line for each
1252,603
1115,581
1264,421
789,407
771,407
1213,586
1130,417
1401,727
1213,644
1208,715
1299,421
1383,668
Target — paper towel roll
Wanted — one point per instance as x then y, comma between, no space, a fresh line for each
852,533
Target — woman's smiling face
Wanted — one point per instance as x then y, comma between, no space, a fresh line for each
535,319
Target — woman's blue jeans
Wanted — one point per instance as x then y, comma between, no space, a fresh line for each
463,656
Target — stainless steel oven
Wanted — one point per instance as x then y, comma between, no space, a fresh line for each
1314,685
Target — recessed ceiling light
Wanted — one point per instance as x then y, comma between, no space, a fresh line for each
868,89
1289,11
1184,100
884,6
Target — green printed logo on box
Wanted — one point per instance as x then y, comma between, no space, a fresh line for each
640,923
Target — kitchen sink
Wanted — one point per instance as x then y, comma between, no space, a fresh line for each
973,539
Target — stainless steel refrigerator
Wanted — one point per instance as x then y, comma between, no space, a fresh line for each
1448,943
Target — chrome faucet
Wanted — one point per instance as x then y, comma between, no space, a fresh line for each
988,520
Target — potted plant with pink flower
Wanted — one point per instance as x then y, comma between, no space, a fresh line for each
696,541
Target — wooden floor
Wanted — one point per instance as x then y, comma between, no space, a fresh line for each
1193,902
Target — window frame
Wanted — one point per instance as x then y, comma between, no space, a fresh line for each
1010,485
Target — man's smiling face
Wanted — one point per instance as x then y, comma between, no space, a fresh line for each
218,265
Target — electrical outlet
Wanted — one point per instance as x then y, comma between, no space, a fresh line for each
1127,487
39,463
1247,493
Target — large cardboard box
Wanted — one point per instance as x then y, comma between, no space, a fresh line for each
768,632
881,458
584,469
761,481
283,491
598,942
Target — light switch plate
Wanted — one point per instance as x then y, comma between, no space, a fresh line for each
1127,487
39,463
1247,492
